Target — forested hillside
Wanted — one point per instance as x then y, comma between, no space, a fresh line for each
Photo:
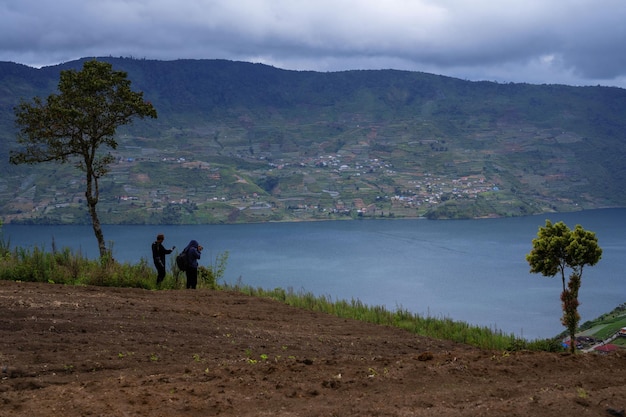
242,142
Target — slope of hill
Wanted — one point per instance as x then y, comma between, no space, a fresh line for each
241,142
77,351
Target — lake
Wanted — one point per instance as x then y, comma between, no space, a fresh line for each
469,270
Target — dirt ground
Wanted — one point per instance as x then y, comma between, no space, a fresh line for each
92,351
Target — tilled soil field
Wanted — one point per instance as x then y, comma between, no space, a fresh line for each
93,351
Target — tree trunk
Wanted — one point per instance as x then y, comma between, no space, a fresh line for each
95,222
92,193
570,319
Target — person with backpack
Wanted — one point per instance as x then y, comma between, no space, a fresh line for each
158,256
193,251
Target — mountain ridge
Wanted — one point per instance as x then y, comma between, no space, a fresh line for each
245,142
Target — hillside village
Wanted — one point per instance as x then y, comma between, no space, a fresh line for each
328,186
310,187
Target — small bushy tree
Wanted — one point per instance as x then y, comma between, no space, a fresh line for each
557,249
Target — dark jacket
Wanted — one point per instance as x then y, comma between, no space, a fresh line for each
159,252
193,254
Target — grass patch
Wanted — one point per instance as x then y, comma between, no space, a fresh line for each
607,324
72,268
434,327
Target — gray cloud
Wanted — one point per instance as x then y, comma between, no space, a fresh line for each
577,42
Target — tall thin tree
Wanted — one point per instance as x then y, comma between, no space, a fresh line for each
77,123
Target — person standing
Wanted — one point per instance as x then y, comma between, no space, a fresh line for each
193,250
158,256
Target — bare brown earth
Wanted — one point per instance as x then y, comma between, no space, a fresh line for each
92,351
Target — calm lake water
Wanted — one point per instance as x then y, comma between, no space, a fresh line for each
469,270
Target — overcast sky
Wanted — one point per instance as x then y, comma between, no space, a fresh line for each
575,42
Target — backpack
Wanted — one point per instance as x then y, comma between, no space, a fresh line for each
182,261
